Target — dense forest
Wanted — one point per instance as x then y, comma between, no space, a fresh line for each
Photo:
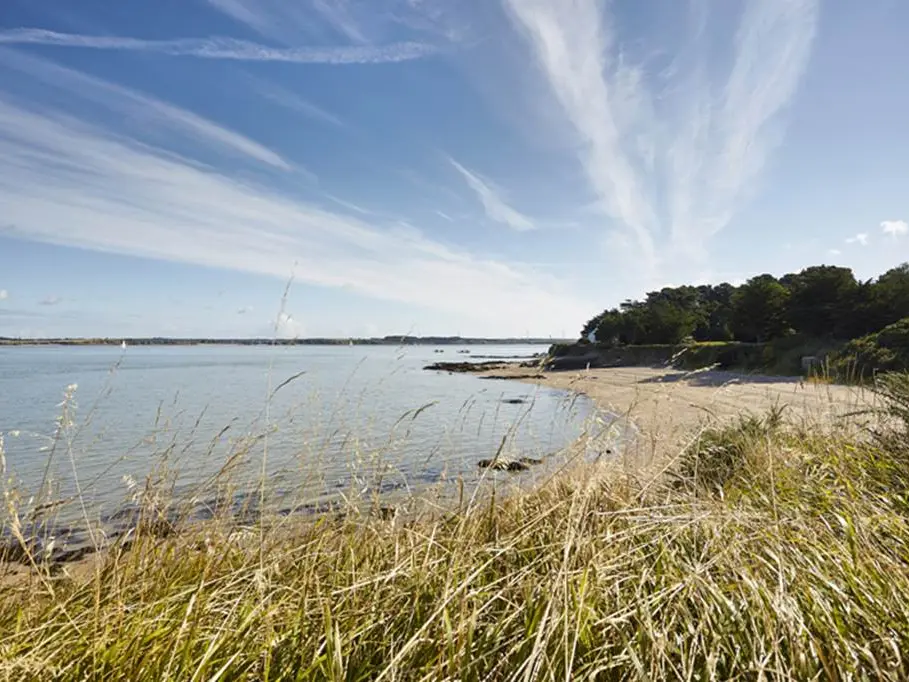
867,320
822,301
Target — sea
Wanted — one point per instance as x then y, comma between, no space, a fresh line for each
91,431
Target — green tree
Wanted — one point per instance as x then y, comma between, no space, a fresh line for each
822,301
891,295
592,325
666,322
715,312
609,327
759,309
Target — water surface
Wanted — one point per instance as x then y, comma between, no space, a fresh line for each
321,421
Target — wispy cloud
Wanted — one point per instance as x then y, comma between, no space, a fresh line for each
357,21
225,48
50,301
276,19
671,155
142,108
292,101
834,252
67,182
495,207
895,228
861,238
4,294
244,310
570,43
339,15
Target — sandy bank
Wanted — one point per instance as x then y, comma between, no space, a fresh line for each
667,406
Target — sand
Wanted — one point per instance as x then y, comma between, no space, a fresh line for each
666,407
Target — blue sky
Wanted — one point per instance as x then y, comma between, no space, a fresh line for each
482,167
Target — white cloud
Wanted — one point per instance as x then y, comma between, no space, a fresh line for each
294,21
143,109
292,101
834,252
50,300
495,207
4,294
671,155
895,228
276,19
338,14
66,182
225,48
860,238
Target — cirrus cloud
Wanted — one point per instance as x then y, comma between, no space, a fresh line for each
671,155
495,206
224,48
109,193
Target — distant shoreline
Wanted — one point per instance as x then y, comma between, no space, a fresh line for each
383,341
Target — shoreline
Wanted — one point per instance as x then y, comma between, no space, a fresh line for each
668,406
650,412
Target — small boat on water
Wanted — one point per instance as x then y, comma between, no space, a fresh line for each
123,345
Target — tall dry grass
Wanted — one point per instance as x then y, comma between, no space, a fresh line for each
772,551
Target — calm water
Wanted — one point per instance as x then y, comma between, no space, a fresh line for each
357,418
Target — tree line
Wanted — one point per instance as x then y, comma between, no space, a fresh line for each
822,301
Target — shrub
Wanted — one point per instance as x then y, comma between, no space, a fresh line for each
884,351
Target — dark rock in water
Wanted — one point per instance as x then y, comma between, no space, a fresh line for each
530,461
502,465
514,401
464,367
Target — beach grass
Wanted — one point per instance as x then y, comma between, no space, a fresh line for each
765,549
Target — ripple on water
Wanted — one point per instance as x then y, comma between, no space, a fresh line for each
193,423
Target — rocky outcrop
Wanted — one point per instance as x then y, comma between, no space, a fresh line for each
465,367
569,362
520,464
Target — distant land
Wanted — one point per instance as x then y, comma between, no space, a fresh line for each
383,341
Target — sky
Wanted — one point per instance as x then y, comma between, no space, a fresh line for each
476,167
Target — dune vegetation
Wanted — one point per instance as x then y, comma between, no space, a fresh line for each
764,549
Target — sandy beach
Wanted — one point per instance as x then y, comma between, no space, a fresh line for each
668,406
